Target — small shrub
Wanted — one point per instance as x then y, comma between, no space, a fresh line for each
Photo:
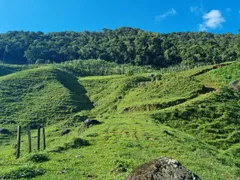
121,166
78,142
38,158
23,172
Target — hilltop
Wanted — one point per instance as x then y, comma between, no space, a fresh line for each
188,113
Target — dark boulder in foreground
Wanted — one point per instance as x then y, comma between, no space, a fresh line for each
4,131
161,169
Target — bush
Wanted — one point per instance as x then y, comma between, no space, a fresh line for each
23,172
38,158
77,143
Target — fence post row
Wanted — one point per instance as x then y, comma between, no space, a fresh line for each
18,144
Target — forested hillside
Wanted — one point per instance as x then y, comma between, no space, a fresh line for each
123,45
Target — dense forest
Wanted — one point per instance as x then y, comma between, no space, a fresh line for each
123,45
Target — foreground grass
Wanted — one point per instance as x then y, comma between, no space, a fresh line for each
117,146
192,116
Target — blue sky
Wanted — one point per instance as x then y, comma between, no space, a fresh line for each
217,16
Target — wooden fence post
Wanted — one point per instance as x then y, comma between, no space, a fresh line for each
18,146
29,139
38,138
44,139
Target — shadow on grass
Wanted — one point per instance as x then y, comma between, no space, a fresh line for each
78,92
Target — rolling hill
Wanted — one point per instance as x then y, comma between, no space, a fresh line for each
190,114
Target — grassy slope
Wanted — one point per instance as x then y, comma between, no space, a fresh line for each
128,139
42,95
222,106
214,118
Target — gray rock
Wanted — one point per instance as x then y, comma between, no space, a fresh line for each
89,122
234,85
150,75
63,171
140,84
161,169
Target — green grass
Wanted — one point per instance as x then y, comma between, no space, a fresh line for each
106,92
158,94
215,119
41,95
187,115
118,146
221,76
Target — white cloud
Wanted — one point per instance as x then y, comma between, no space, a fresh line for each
212,20
170,12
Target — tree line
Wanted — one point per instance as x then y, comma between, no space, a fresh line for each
124,45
